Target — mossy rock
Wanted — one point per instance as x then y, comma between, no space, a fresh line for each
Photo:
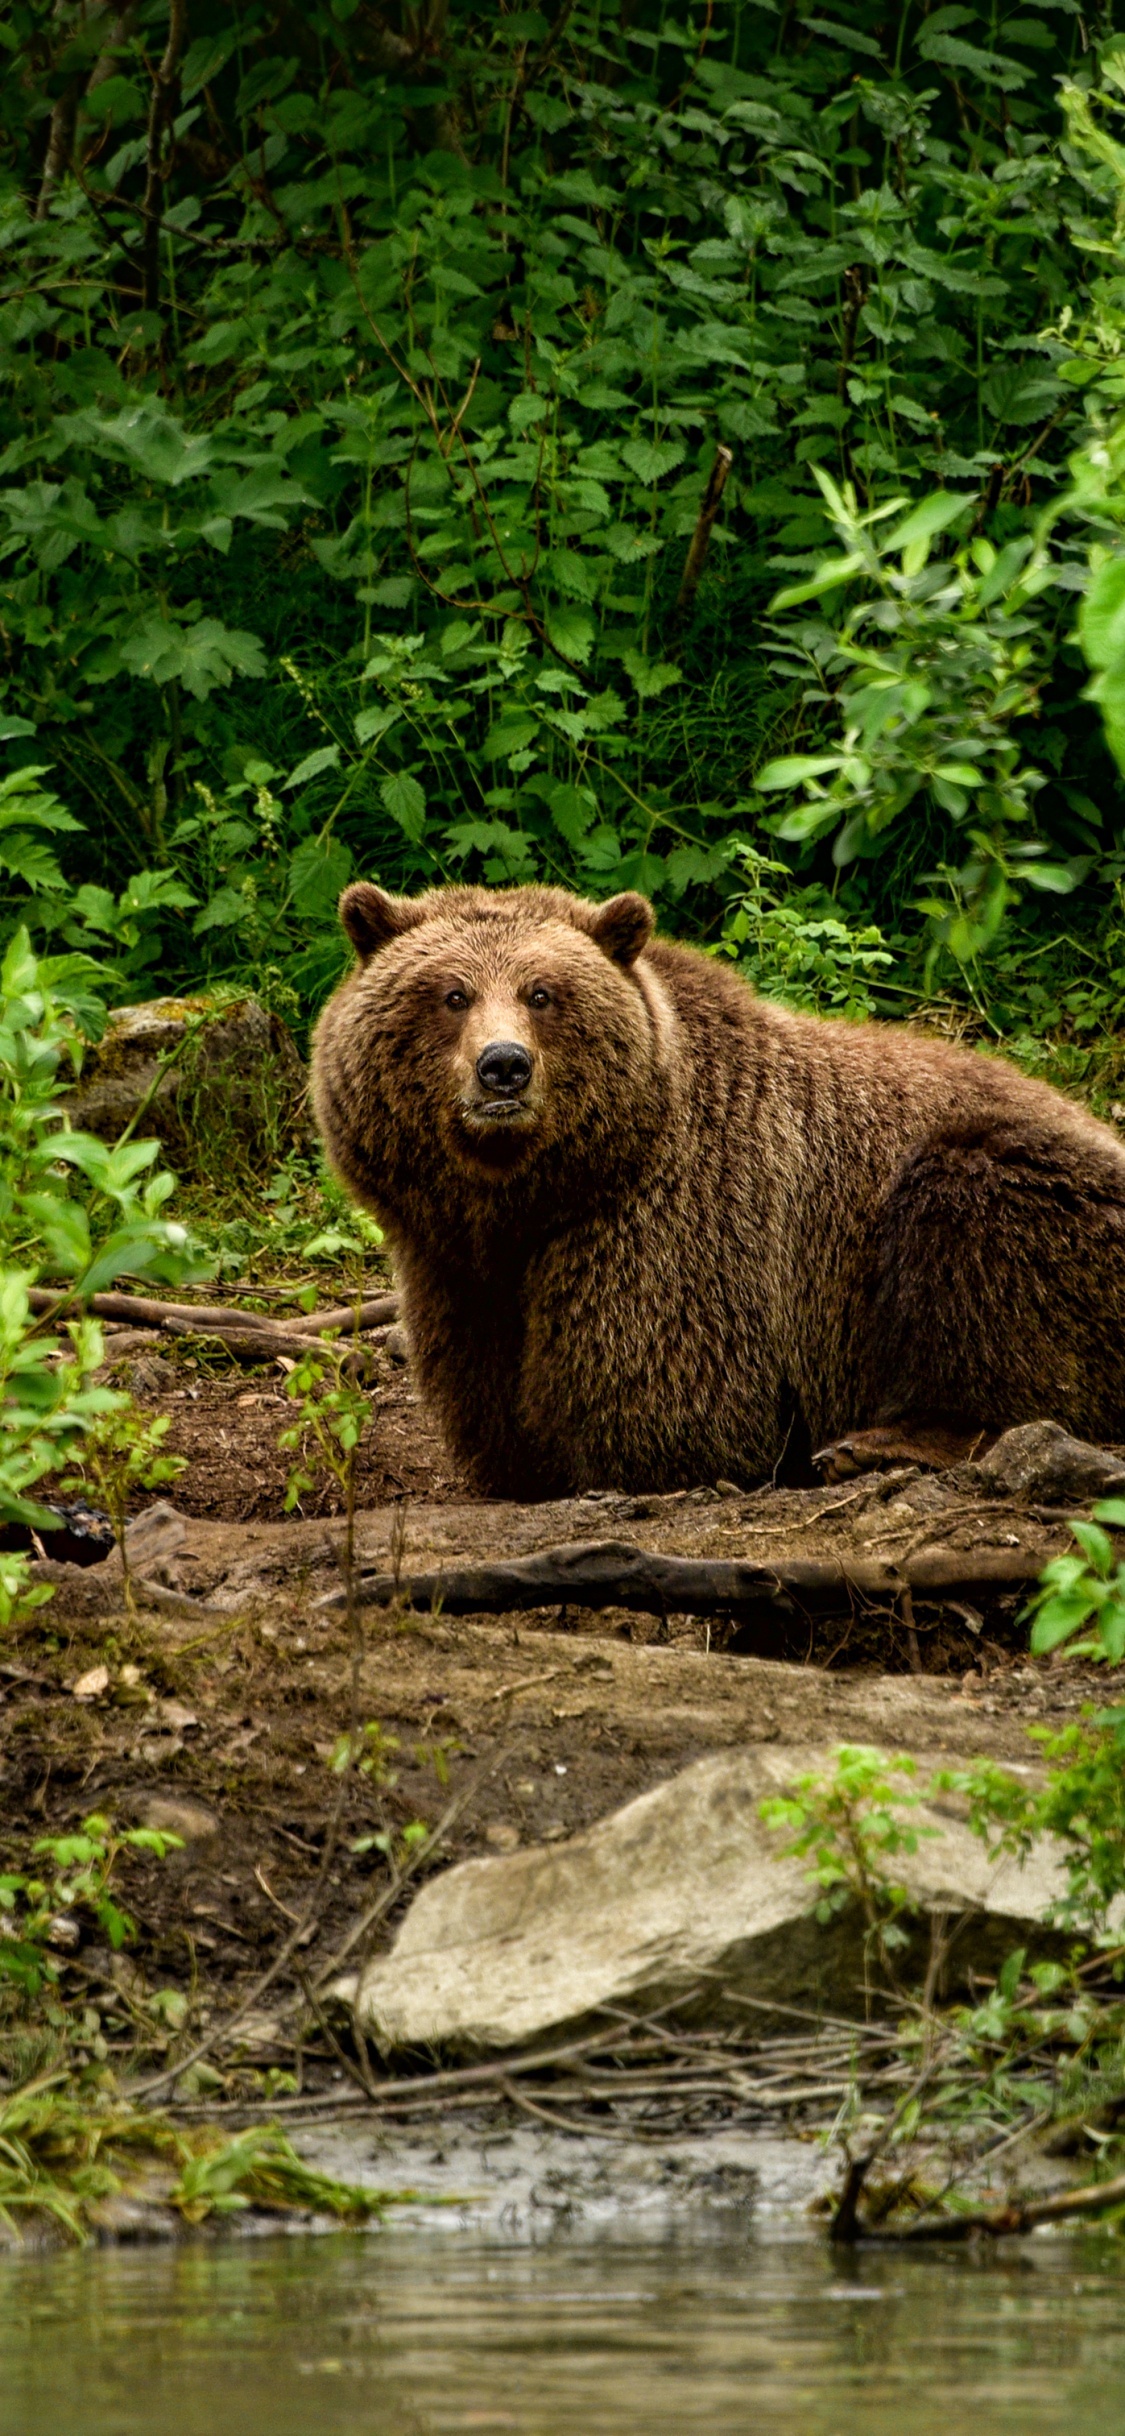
219,1082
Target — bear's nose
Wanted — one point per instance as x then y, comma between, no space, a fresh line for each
504,1066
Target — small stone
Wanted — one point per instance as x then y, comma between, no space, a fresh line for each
396,1344
172,1816
502,1836
91,1686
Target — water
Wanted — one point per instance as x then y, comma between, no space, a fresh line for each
412,2334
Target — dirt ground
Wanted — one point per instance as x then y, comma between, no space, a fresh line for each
227,1423
216,1709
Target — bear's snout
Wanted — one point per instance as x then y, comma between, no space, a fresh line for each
503,1068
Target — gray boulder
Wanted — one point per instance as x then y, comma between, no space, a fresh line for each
682,1896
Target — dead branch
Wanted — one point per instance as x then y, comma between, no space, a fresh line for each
64,115
617,1573
144,1311
704,527
1016,2216
165,85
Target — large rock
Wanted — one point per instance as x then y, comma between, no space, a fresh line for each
681,1896
219,1083
1041,1463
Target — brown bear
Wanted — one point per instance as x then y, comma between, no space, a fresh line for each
651,1230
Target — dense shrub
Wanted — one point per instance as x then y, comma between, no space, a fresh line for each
364,373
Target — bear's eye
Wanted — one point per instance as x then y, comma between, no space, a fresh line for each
539,998
457,1001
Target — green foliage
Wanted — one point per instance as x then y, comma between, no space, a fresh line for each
1082,1802
118,1453
1046,2037
332,1414
928,672
75,1211
78,1881
362,381
260,2168
852,1824
796,945
1083,1591
369,1750
62,2158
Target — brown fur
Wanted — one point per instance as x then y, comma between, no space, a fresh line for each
716,1230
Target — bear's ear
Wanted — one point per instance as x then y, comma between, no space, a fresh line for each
370,917
623,926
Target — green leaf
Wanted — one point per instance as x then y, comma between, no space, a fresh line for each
527,410
1057,1622
200,656
794,768
376,722
1101,618
827,578
572,632
405,800
651,677
573,810
1056,879
318,870
650,460
932,515
326,757
1096,1546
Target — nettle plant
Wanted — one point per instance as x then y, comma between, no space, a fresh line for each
926,664
365,375
75,1215
43,1909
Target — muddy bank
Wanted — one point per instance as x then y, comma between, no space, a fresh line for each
219,1710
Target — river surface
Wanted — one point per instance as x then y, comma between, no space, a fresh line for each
412,2333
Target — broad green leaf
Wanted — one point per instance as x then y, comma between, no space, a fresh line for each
931,516
326,757
318,870
405,800
651,677
650,460
1055,879
376,722
200,656
572,632
794,768
810,820
1058,1621
1101,618
1096,1546
573,810
827,578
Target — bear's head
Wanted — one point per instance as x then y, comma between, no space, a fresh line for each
488,1027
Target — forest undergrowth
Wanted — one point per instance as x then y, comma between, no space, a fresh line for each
660,444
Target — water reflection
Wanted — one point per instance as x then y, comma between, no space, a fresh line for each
406,2334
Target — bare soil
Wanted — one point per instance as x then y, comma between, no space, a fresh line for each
226,1694
227,1422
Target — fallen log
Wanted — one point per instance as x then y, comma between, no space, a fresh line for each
142,1310
379,1312
617,1573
